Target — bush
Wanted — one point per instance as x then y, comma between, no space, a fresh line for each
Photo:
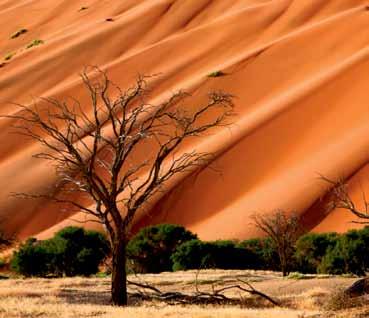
265,255
216,74
151,248
18,33
72,251
311,248
193,254
9,56
196,254
349,255
32,259
34,43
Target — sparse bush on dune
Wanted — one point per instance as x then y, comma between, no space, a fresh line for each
216,74
72,251
34,43
150,250
9,56
18,33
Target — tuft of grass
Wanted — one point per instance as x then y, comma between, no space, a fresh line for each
34,43
9,56
82,9
18,33
216,74
102,275
297,276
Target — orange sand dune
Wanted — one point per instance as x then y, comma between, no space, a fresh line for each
299,69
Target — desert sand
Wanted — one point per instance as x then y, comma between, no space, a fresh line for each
299,70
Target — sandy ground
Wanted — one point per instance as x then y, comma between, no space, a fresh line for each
81,297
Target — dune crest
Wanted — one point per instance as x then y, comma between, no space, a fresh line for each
299,70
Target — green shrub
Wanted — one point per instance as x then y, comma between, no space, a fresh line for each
72,251
311,248
332,262
193,254
2,263
265,253
349,255
34,43
150,250
9,56
216,74
196,254
32,259
18,33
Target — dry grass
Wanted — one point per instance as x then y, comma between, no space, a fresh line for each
80,297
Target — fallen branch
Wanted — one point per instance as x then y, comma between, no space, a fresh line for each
217,296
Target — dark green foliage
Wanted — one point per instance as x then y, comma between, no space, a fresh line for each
228,255
264,253
18,33
151,248
349,255
72,251
32,259
193,254
196,254
332,262
311,248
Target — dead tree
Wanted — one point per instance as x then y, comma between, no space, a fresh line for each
94,151
339,198
283,229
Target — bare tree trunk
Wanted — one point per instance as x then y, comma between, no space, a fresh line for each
119,274
283,262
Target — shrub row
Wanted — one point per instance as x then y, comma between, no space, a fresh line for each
333,253
169,247
72,251
75,251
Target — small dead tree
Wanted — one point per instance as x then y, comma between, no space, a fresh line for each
94,150
339,198
284,230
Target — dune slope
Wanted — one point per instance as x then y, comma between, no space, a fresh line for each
299,70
